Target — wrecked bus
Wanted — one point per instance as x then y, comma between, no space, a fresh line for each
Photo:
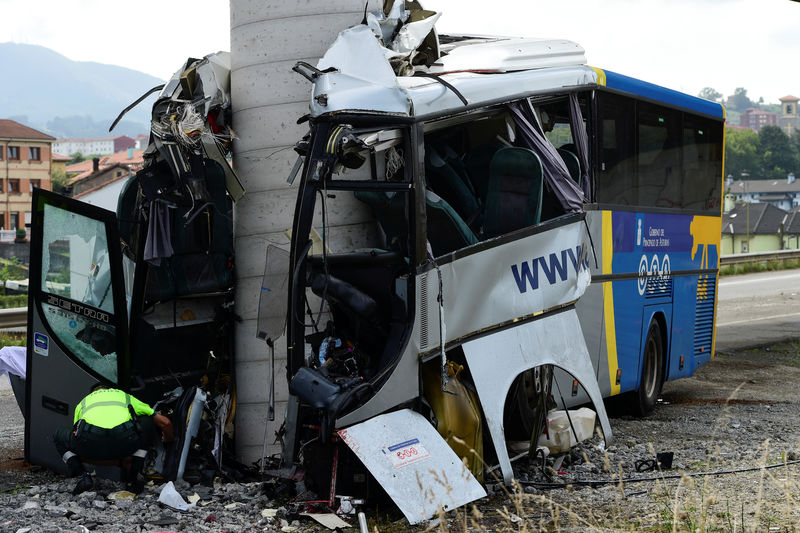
502,228
475,200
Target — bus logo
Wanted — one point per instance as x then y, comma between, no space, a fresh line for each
554,267
656,269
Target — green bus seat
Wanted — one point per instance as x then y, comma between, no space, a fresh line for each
514,196
446,176
447,231
573,165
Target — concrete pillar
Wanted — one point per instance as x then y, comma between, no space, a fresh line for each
267,38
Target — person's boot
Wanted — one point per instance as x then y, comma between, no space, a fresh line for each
75,467
84,483
135,481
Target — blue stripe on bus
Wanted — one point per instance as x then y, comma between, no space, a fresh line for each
662,94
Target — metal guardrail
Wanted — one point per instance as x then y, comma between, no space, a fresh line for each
756,257
13,318
18,317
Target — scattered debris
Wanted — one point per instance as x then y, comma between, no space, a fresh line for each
121,495
170,497
329,520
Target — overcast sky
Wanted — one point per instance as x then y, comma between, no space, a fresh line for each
682,44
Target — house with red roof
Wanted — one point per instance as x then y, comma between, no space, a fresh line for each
25,163
98,181
755,119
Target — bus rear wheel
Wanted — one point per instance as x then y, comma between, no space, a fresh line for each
652,378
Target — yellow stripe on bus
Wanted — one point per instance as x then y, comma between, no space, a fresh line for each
601,76
608,304
719,248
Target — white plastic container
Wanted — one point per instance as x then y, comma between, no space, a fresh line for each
562,437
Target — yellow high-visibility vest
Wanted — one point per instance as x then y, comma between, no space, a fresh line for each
108,408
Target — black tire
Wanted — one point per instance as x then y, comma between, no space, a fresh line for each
652,378
524,404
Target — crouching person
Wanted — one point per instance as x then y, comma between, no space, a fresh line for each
110,427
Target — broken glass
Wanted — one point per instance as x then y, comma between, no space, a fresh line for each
77,276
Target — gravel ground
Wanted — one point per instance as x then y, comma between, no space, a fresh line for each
738,412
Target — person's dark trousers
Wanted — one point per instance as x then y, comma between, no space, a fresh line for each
95,443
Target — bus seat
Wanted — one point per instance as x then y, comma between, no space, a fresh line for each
573,165
477,165
389,210
447,231
569,147
514,196
446,175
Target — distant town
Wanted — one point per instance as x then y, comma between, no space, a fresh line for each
761,203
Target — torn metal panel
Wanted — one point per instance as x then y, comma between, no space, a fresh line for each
357,54
413,464
371,67
406,32
215,79
359,71
194,111
496,359
361,74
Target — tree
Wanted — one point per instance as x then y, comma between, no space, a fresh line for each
710,94
739,101
741,153
779,155
60,180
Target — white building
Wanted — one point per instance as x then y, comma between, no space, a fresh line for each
95,146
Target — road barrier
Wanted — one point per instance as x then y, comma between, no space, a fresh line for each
18,317
758,257
13,318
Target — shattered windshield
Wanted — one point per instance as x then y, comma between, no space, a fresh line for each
76,275
75,263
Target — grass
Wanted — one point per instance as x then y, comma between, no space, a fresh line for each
761,500
12,339
10,301
759,266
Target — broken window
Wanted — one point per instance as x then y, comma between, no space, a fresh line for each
76,275
492,172
351,306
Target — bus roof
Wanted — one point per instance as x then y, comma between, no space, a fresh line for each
357,79
636,87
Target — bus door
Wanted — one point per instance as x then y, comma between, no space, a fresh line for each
77,325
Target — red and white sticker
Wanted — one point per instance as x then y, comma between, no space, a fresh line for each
405,453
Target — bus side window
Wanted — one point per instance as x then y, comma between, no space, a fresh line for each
659,157
616,182
702,159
